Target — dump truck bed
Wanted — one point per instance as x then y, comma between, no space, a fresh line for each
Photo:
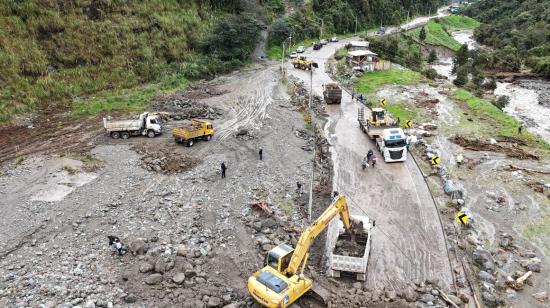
340,263
122,125
188,132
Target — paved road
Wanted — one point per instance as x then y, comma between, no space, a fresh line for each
408,241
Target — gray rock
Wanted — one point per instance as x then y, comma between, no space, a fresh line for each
357,285
484,259
130,298
455,299
178,278
410,295
426,298
257,226
153,279
89,304
541,296
138,246
489,299
182,251
484,276
232,305
435,292
214,302
146,267
163,265
533,264
391,295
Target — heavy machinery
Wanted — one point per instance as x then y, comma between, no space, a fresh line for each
303,63
281,282
147,125
389,137
199,129
332,93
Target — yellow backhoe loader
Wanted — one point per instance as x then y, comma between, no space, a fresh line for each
281,282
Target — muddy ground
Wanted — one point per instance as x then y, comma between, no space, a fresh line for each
192,238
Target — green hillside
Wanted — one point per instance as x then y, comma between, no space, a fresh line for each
54,52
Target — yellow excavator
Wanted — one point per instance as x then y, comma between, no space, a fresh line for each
281,282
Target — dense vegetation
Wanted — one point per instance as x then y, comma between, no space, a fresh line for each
58,51
340,16
519,32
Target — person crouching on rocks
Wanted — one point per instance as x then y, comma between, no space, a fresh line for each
115,244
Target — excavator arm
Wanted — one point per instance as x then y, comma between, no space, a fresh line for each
338,207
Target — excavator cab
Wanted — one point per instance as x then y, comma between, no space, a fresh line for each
279,257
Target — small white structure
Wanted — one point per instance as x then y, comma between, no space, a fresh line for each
363,59
359,45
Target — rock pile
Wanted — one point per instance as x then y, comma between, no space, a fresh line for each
179,107
164,159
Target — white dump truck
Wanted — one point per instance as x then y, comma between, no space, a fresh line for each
146,125
356,262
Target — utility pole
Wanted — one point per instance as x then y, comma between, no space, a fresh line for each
322,25
355,25
283,59
314,143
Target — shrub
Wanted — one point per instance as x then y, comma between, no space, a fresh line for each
501,102
430,73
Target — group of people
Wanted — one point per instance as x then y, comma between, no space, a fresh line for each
368,160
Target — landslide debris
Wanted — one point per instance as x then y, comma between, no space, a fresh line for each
509,149
164,160
181,106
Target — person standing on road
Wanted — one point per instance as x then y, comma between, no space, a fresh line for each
520,128
352,96
261,152
223,167
299,188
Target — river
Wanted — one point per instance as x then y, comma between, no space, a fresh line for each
529,99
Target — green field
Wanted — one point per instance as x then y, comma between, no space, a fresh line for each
437,33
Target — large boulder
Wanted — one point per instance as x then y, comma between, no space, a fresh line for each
484,259
533,264
484,276
153,279
178,278
410,295
164,264
138,246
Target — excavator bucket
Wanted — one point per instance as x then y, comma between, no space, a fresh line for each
315,65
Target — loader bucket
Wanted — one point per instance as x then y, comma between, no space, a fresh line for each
315,65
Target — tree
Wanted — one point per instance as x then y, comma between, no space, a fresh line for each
280,31
422,35
432,57
461,76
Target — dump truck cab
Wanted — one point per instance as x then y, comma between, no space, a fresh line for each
199,129
393,145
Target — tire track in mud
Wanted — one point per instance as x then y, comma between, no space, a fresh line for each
251,110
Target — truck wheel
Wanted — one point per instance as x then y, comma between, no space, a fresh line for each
125,135
151,134
190,143
115,135
207,137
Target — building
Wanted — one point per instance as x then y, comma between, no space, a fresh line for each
364,60
358,45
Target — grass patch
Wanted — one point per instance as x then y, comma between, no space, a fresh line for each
70,170
498,122
539,232
459,22
371,81
437,33
127,100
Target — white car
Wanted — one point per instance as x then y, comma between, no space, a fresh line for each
323,42
293,55
300,49
334,39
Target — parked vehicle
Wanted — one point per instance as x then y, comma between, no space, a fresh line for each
198,130
332,93
317,46
146,125
293,54
300,49
323,42
334,39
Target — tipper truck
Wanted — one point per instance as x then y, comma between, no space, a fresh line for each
198,129
390,139
332,93
146,125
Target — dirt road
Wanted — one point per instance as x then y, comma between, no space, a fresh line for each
408,241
